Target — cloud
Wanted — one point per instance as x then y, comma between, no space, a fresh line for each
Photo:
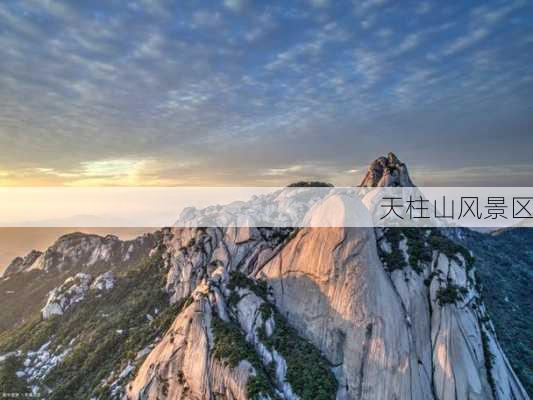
423,7
120,167
320,3
485,175
98,172
55,173
310,171
367,22
204,18
467,41
410,89
489,15
410,42
235,5
233,86
17,23
368,4
482,23
159,8
369,65
283,171
331,32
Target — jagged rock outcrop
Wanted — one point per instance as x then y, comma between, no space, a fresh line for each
193,254
106,281
37,364
285,207
329,285
182,366
231,343
20,264
281,313
29,282
395,313
81,250
387,171
72,291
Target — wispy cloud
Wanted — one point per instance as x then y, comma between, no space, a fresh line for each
320,3
331,32
410,42
243,87
466,41
482,22
283,171
369,4
235,5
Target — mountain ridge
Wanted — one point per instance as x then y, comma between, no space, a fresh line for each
371,313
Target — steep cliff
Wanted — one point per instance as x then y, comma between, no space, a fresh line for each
393,313
264,313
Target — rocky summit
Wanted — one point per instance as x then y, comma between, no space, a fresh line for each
257,313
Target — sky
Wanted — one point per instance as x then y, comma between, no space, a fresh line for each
243,92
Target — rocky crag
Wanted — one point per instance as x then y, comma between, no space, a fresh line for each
257,313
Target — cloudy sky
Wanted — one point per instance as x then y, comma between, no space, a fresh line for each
243,92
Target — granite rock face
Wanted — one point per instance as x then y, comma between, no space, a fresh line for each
72,291
193,254
390,333
182,365
328,284
285,313
28,281
20,264
387,171
395,314
82,251
106,281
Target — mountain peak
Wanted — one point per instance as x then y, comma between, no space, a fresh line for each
20,264
386,172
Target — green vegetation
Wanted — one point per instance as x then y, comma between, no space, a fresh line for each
308,373
419,251
450,248
27,287
450,294
230,344
430,277
394,259
231,347
25,293
109,329
9,382
504,268
488,356
258,386
310,184
421,242
29,336
240,280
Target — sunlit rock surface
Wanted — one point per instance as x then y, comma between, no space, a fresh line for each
379,313
72,291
